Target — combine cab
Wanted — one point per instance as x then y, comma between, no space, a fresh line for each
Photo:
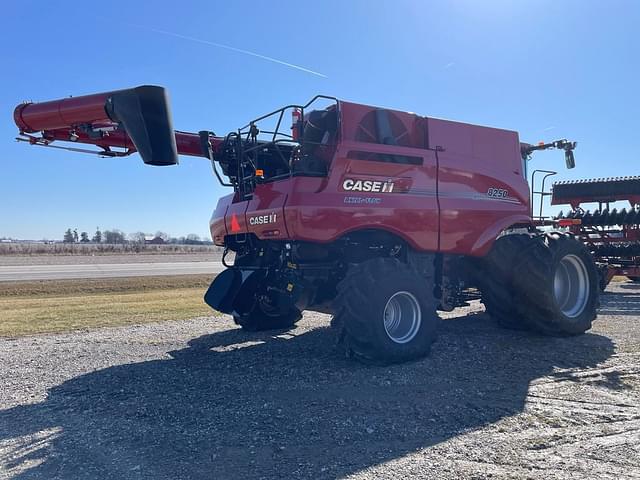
377,216
611,235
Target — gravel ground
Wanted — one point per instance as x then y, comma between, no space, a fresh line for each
16,260
199,399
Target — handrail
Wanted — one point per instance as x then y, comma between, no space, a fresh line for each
542,193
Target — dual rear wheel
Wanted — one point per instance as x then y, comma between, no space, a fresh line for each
545,283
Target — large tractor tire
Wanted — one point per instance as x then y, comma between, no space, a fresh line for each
258,320
494,276
255,310
386,312
547,283
557,285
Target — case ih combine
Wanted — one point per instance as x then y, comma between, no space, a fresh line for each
377,216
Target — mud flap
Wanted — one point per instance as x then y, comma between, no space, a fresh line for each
230,287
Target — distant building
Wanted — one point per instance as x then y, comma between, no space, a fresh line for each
150,240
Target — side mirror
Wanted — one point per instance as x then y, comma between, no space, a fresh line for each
569,159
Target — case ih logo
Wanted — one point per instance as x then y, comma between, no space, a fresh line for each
263,219
367,186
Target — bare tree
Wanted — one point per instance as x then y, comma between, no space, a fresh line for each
114,236
137,237
164,236
192,239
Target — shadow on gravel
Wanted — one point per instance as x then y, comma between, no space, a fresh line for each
621,303
230,406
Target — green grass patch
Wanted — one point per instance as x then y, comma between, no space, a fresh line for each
58,306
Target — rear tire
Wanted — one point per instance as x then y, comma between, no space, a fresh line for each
386,312
557,285
494,277
546,283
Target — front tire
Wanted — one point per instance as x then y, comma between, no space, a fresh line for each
261,318
386,311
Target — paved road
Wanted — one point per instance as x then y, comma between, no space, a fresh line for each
59,272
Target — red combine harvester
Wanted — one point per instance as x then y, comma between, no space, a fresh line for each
377,216
611,235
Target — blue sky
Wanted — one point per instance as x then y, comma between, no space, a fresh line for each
548,69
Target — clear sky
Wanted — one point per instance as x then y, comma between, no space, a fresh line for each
549,69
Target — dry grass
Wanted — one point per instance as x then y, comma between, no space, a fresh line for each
98,249
619,279
56,306
101,285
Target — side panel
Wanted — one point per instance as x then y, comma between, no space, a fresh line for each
217,224
235,220
364,194
481,186
263,214
265,211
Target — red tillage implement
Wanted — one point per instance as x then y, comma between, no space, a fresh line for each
612,235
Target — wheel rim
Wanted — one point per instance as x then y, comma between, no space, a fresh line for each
571,286
402,317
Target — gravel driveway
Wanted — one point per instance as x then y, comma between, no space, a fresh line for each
199,399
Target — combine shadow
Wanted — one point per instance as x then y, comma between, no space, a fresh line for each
232,406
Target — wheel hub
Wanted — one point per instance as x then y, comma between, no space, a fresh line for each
402,317
571,286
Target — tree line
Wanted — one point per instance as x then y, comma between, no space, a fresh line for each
116,236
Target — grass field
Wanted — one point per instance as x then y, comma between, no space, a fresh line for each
54,306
